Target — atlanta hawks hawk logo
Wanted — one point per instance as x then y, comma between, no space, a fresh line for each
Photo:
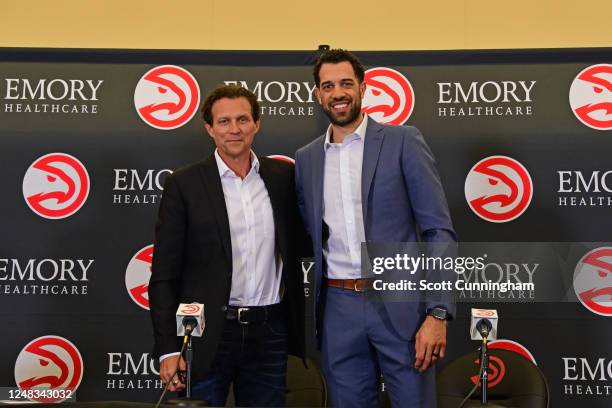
389,97
593,281
498,189
56,186
496,371
49,362
591,96
137,275
167,97
497,367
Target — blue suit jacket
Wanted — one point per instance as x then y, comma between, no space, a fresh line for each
402,201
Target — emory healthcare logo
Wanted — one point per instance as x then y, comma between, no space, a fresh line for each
593,281
591,96
137,276
389,97
49,362
497,367
498,189
132,371
51,95
167,97
56,185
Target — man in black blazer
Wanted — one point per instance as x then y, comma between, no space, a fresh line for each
228,236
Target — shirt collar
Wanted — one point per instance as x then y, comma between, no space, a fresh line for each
225,171
360,131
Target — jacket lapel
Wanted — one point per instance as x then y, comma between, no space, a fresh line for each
214,192
276,194
371,152
318,166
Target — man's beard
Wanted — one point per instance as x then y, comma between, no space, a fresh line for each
351,116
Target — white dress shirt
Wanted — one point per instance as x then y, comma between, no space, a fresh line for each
342,210
256,274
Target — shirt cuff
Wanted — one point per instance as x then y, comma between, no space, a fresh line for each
165,356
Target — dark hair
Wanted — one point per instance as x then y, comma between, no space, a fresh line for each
231,92
336,56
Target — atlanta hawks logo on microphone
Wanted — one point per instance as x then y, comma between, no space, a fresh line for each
483,313
137,276
498,189
389,97
190,309
49,362
593,281
591,96
56,186
167,97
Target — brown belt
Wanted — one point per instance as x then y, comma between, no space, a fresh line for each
357,285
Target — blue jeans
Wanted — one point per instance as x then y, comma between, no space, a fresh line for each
254,358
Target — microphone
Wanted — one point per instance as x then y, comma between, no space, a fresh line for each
484,324
483,327
190,324
190,319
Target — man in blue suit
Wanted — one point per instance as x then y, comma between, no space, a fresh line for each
365,182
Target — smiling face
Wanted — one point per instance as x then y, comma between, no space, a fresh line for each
340,93
233,128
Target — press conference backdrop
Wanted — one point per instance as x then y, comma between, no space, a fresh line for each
88,138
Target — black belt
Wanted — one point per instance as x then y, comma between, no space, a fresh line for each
254,314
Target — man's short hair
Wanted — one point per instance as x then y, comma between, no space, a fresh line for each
231,92
336,56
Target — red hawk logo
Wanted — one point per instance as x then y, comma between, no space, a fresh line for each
167,97
282,158
496,370
498,189
591,96
497,367
190,309
593,281
56,185
49,362
389,97
137,276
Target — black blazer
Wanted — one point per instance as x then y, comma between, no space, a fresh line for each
192,260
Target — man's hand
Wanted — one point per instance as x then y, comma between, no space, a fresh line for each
167,368
430,343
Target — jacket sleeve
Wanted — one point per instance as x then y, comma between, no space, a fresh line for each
167,267
431,212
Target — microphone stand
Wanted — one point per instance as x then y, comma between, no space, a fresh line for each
484,374
188,361
187,402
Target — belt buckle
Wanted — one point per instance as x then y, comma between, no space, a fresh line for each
355,286
240,310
